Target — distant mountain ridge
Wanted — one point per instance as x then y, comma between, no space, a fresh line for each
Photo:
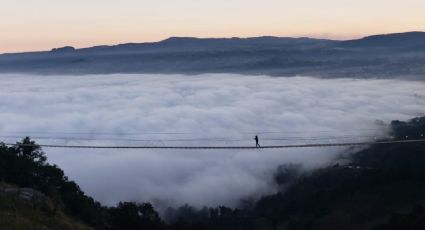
395,39
389,55
179,43
389,40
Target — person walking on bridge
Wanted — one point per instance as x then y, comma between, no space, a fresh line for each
256,141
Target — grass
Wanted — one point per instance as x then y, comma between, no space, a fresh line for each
36,214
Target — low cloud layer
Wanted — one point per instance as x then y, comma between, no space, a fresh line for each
191,110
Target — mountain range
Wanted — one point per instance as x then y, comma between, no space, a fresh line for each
400,55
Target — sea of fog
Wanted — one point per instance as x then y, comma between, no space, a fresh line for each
210,109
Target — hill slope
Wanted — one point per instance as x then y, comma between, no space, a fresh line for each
45,197
24,208
391,41
392,55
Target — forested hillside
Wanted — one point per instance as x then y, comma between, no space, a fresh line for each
26,166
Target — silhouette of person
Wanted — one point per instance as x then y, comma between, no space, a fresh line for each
256,141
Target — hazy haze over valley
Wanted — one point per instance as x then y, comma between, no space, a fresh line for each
208,109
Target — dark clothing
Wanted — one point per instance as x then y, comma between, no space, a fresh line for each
256,142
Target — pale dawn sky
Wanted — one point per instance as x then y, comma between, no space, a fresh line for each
42,24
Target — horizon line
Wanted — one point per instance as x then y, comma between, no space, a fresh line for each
224,37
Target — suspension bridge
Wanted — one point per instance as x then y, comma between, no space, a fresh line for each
314,145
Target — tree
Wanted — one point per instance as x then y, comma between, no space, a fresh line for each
130,215
28,149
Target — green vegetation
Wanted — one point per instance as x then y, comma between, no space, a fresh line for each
382,188
26,167
29,209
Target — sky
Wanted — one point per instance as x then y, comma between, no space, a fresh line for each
43,24
209,109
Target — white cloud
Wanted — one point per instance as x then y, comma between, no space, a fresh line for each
205,106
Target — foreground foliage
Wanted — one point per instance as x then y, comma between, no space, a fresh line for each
26,166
